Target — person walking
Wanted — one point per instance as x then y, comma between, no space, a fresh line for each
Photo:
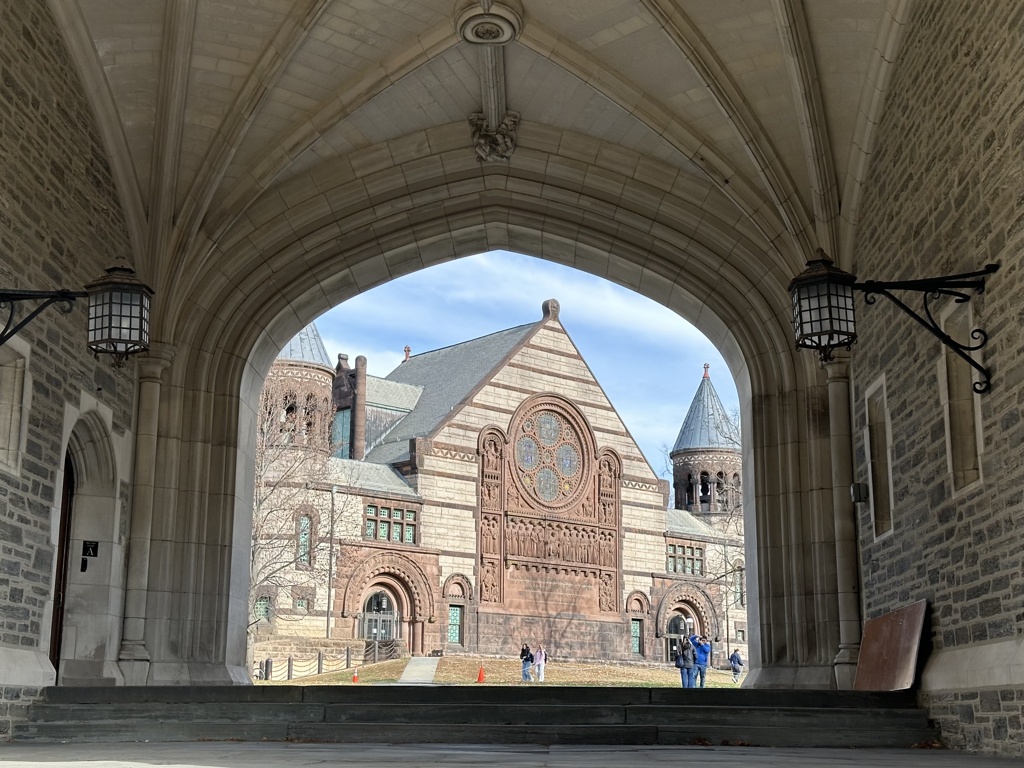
736,662
685,662
540,658
527,658
703,650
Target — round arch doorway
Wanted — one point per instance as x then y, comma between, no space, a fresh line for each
683,622
382,621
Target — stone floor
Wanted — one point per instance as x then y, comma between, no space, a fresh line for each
250,755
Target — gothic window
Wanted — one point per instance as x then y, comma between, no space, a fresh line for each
392,524
14,404
705,489
879,473
636,635
304,547
960,404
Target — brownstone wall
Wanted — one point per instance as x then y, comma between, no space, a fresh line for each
60,226
944,195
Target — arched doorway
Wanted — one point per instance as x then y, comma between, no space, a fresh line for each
382,621
60,582
87,602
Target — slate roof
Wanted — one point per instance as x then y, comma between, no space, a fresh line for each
707,426
682,523
307,347
447,377
376,478
392,394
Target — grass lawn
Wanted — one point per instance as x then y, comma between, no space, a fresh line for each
463,670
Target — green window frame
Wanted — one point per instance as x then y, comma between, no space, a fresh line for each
455,624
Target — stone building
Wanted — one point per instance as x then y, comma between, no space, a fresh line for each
259,165
481,496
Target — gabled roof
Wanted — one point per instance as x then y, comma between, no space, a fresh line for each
307,347
447,376
707,426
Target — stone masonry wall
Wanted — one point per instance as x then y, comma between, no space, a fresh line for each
945,194
60,226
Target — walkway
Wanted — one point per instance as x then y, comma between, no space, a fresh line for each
419,671
256,755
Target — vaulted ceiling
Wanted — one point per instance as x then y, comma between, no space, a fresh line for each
764,107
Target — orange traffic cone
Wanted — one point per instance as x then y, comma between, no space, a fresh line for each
480,675
355,676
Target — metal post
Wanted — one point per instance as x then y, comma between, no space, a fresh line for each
320,662
268,665
348,657
291,667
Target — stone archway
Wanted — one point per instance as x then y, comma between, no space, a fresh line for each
227,329
406,582
93,581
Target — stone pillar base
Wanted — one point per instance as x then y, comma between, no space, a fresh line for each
845,666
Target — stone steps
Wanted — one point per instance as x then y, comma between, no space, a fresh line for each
478,715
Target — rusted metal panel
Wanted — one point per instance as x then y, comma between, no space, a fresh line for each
888,651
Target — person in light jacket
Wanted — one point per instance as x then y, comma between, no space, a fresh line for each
540,658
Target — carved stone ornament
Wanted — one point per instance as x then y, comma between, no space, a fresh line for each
494,145
498,25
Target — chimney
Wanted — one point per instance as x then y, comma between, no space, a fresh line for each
408,351
359,411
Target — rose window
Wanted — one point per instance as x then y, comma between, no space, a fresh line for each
548,458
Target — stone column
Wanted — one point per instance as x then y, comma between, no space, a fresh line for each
848,577
133,657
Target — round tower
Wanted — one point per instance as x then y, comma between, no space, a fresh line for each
706,462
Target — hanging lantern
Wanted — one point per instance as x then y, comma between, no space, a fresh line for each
823,316
119,306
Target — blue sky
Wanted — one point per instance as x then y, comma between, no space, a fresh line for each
648,359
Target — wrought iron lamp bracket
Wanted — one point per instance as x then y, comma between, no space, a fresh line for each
956,287
64,300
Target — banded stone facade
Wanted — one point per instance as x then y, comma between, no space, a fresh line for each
521,511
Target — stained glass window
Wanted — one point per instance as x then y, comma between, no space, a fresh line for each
262,607
382,530
371,528
455,624
396,532
635,635
410,534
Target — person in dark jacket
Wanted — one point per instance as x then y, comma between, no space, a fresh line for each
703,649
527,658
736,662
685,660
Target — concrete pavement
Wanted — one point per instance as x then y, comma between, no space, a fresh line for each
261,755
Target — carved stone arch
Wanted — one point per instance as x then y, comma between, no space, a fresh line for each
404,571
690,596
638,603
458,586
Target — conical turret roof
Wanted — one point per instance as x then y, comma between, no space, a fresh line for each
707,426
307,347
